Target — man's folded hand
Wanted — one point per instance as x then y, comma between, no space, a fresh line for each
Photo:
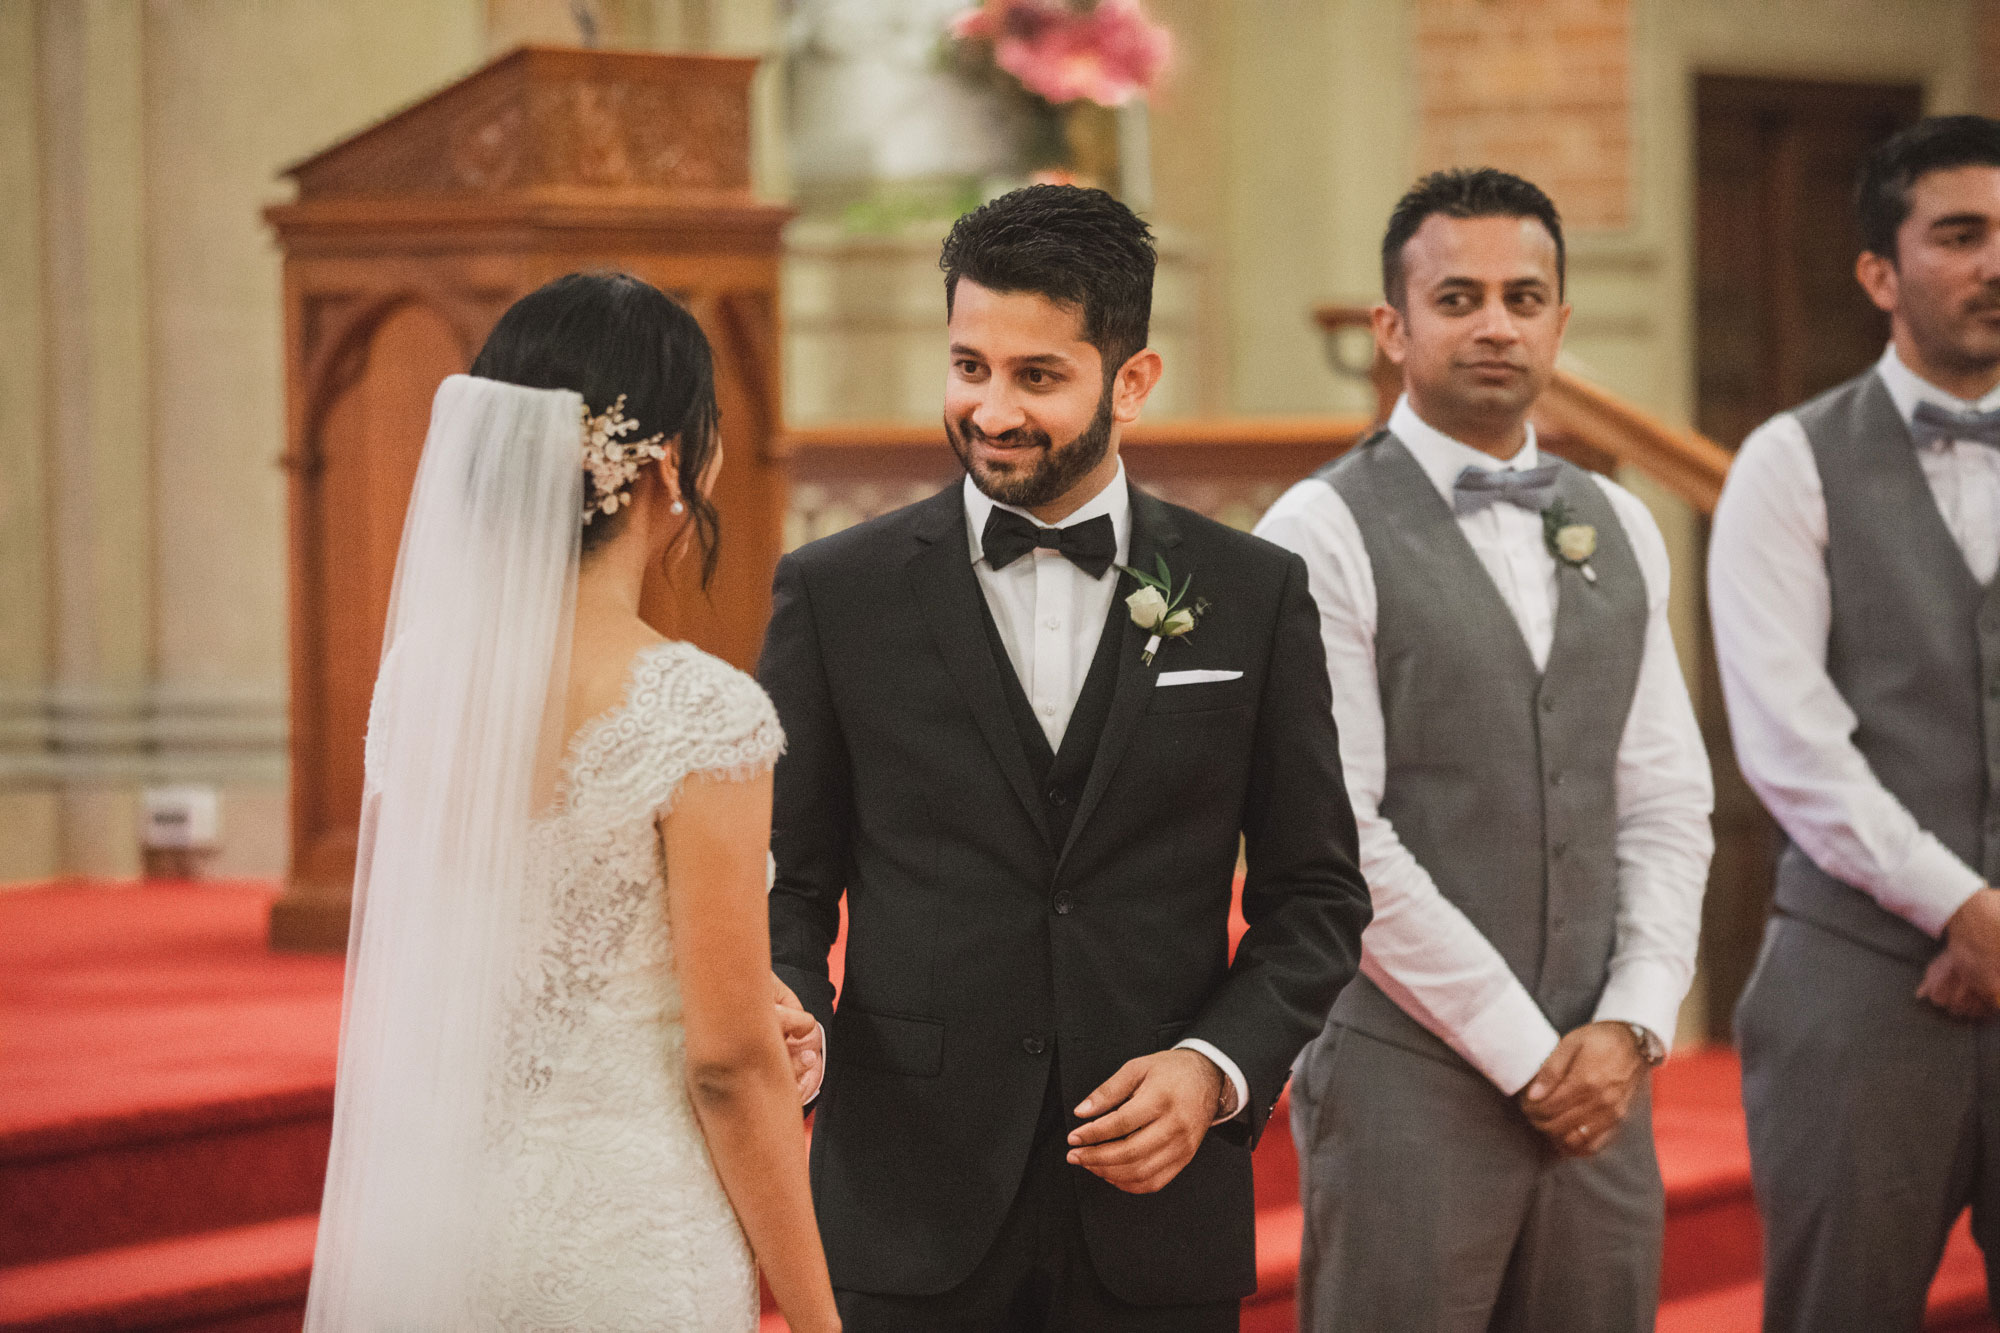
1584,1090
1145,1122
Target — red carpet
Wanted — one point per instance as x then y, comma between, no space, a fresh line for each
168,1085
164,1113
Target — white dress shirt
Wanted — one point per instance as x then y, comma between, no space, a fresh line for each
1420,949
1773,611
1048,611
1050,615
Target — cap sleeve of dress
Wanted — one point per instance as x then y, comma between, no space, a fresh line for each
685,713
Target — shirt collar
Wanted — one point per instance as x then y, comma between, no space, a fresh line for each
1907,389
1115,499
1443,458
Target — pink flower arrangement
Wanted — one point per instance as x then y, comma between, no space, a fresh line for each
1107,54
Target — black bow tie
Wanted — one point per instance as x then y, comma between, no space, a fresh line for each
1089,545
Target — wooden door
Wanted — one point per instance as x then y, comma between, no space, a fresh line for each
1778,318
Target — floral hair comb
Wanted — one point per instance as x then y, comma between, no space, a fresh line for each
612,461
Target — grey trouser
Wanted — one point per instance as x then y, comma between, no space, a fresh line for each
1432,1206
1874,1121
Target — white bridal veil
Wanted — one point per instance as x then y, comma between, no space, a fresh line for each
476,650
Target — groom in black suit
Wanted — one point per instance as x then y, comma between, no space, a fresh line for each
1045,1074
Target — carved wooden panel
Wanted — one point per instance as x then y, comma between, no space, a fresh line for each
545,118
571,160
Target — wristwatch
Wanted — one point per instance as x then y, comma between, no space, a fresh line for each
1652,1051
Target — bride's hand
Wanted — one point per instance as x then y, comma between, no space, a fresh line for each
805,1042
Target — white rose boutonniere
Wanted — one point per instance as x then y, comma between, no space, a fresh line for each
1160,609
1569,541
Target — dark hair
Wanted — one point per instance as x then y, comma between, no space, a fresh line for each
1080,247
1465,192
604,334
1937,143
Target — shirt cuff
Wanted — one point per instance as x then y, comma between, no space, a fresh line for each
1645,993
1229,1071
1508,1041
819,1070
1931,886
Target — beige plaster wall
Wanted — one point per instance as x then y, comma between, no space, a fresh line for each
142,601
27,817
1285,133
142,541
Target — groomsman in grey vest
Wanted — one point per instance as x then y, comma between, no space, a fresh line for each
1858,628
1474,1127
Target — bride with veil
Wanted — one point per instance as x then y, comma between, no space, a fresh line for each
565,1099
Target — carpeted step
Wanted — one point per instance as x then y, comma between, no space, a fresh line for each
1280,1228
172,1172
1713,1238
1957,1299
248,1279
166,1073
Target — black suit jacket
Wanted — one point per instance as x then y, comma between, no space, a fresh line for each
979,950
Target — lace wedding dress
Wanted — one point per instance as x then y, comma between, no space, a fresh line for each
614,1218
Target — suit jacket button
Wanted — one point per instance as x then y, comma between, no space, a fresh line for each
1057,798
1033,1045
1064,902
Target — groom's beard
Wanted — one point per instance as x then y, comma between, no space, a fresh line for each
1045,473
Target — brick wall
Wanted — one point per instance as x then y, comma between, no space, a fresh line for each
1539,87
1986,89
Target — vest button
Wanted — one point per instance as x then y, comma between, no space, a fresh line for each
1033,1045
1063,902
1556,778
1558,924
1557,852
1548,705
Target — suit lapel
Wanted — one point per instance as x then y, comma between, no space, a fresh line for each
1153,534
948,593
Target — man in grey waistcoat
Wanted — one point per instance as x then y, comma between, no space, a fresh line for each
1474,1129
1858,629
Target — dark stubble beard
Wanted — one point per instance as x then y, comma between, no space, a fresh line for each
1051,473
1951,333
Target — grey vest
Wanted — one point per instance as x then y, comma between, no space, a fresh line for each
1501,781
1914,650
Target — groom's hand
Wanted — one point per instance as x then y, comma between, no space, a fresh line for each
1150,1117
805,1041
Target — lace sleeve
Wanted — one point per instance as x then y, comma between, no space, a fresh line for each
685,713
724,724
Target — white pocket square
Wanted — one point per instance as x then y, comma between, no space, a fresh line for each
1195,677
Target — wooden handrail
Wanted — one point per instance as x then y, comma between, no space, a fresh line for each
1588,419
1577,419
1335,433
1686,462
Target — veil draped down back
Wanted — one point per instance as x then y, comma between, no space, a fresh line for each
467,711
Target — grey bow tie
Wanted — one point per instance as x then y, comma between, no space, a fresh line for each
1479,487
1931,423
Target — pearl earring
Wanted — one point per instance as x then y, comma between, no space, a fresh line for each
677,508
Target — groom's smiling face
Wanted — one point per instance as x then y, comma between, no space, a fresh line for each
1027,404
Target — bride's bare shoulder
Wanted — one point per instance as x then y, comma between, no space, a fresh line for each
600,670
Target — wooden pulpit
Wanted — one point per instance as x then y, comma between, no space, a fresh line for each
405,245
